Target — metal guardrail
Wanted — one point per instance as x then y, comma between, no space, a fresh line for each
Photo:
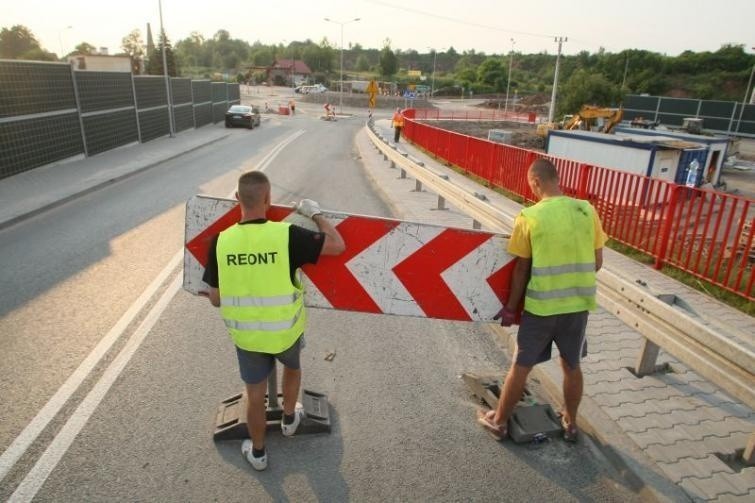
722,360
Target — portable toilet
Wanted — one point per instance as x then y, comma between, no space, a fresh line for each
717,146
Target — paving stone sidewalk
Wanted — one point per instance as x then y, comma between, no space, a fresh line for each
674,426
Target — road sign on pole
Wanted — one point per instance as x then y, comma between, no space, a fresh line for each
389,266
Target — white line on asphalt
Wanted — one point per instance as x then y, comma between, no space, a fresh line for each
63,440
60,444
21,443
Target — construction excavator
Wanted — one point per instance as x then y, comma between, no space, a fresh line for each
586,119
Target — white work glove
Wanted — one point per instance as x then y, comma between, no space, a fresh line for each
308,208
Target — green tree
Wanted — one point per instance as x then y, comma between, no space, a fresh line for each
388,60
363,63
584,88
133,45
85,48
155,66
16,41
493,72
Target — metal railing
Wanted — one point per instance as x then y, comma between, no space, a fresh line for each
705,233
702,347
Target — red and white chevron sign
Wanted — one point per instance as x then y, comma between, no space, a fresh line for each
389,266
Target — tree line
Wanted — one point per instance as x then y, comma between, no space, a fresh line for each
600,78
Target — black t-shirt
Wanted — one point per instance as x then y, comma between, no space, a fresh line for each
304,247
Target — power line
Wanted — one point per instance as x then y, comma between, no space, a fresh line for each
455,20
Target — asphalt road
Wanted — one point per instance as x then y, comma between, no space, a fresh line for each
139,426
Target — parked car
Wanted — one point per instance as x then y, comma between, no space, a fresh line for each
317,88
242,115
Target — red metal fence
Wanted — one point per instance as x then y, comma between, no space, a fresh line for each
703,232
476,115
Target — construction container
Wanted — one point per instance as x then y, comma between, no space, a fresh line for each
717,148
653,156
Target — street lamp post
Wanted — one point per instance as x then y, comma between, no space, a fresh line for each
435,60
508,80
165,74
340,87
744,100
60,40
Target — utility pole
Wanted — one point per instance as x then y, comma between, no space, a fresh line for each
165,74
744,100
508,80
626,69
552,111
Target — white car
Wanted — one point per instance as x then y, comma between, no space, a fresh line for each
317,88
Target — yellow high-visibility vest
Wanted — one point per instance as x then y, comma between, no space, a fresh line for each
261,307
562,235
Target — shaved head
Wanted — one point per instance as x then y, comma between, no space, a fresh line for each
253,190
544,170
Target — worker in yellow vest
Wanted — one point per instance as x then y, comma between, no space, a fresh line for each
558,243
253,274
398,125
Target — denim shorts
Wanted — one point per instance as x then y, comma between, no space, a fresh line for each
538,333
255,367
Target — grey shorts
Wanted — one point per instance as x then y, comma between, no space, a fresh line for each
255,367
538,333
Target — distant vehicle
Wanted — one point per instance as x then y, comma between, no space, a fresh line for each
242,115
317,88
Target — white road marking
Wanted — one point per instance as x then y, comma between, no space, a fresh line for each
36,477
63,440
21,443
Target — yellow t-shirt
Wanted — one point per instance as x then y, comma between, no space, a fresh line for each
520,245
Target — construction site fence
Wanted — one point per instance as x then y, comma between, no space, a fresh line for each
705,233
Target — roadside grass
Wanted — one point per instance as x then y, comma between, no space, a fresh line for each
729,298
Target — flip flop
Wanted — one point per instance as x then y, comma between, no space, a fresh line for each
498,432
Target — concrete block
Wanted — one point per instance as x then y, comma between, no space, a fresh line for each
660,436
676,451
728,444
709,488
730,498
699,468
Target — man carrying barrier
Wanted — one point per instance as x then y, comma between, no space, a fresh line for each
558,243
253,274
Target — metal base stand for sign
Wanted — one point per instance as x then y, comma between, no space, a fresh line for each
230,422
529,421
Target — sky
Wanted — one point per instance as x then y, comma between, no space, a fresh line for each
665,26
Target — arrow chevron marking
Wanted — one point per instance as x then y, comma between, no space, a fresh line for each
331,276
469,279
373,267
421,272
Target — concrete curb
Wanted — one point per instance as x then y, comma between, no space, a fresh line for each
104,183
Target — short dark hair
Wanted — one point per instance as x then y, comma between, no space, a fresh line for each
253,186
544,170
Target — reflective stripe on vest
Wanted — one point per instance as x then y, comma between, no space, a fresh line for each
278,300
265,326
562,278
262,308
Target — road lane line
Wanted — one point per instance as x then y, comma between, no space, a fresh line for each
63,440
20,445
24,440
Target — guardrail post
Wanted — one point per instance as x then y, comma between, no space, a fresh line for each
392,165
476,225
417,186
647,358
665,231
403,173
584,177
441,203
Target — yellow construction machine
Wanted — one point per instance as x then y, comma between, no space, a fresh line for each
586,119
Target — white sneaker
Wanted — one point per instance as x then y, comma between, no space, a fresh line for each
258,464
289,429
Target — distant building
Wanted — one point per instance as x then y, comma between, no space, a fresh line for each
288,69
100,62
